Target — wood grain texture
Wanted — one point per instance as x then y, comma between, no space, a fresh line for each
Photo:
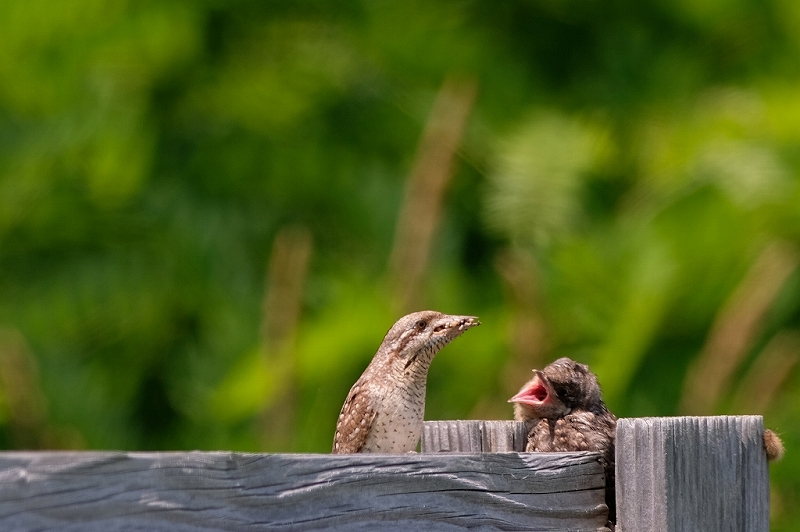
201,491
473,437
692,473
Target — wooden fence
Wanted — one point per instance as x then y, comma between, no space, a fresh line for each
673,474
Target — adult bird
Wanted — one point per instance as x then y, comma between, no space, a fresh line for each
384,410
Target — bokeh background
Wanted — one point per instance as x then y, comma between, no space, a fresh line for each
211,212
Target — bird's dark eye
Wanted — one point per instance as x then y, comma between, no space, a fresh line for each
421,324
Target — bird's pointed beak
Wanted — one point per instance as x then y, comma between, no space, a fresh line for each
454,326
535,392
467,322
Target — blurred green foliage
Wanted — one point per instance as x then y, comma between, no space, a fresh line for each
626,193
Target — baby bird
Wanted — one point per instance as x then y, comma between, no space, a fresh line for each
564,411
384,410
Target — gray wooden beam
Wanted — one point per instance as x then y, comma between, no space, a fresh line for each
473,437
201,491
692,474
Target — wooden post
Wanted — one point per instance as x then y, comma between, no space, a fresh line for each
692,473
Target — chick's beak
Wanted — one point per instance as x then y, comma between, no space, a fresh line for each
535,392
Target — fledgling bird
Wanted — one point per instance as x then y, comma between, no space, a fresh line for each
384,410
563,408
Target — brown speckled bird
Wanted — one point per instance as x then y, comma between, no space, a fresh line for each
563,408
384,410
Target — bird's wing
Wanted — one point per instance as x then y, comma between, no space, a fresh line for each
355,421
585,431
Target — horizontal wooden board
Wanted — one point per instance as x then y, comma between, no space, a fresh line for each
210,491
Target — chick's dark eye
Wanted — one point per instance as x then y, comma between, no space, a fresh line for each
561,391
421,324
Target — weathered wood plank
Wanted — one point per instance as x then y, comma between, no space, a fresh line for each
692,473
107,491
473,437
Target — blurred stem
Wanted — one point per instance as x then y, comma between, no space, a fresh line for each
769,372
21,394
286,276
637,319
425,188
519,272
736,327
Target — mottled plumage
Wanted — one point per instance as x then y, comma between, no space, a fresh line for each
563,408
384,410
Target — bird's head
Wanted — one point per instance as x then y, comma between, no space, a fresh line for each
557,390
416,338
